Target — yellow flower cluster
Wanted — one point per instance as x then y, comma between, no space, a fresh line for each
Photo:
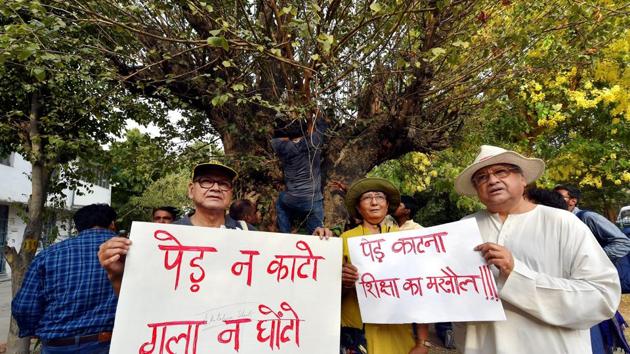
590,180
552,120
616,95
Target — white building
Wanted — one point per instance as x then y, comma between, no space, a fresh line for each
16,188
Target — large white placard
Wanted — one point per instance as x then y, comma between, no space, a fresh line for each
425,276
202,290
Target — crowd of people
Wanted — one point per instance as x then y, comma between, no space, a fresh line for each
554,265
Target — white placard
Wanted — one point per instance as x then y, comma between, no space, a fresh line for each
425,276
202,290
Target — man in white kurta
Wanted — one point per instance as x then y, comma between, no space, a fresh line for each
554,280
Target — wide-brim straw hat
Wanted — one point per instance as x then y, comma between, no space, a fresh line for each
532,168
371,184
206,167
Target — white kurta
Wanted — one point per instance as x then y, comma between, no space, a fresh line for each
561,285
409,225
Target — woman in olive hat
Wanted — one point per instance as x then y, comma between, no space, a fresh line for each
370,200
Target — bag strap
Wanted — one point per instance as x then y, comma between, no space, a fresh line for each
244,226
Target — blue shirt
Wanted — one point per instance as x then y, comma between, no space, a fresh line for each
301,164
614,242
65,291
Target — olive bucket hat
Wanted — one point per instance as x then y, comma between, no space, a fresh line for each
371,184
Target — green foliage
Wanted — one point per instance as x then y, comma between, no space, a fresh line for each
392,77
172,189
53,78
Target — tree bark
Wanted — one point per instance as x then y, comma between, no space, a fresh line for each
20,261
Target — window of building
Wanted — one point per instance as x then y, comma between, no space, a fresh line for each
101,178
5,159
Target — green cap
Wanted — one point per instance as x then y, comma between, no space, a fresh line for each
203,168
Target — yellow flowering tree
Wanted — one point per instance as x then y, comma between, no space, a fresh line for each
572,113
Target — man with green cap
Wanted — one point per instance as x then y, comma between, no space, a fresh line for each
370,200
211,193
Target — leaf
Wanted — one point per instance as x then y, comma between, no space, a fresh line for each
25,53
437,52
326,40
219,100
216,32
39,73
276,52
315,57
219,42
462,44
227,63
238,87
376,7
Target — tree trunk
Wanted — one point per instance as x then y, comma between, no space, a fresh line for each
19,262
15,344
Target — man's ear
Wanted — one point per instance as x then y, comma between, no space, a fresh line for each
112,226
190,192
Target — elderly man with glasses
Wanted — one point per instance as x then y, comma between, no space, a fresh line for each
211,193
554,280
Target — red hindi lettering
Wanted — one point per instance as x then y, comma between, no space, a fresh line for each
372,249
413,286
368,283
283,271
415,244
183,341
379,287
435,238
279,325
389,287
452,283
232,334
405,245
488,284
181,249
237,267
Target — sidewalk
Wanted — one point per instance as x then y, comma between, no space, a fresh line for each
5,310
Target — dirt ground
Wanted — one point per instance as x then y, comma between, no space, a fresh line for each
624,309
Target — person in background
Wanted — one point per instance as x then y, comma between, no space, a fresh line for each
607,335
405,212
545,197
244,209
613,241
298,145
66,299
164,214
